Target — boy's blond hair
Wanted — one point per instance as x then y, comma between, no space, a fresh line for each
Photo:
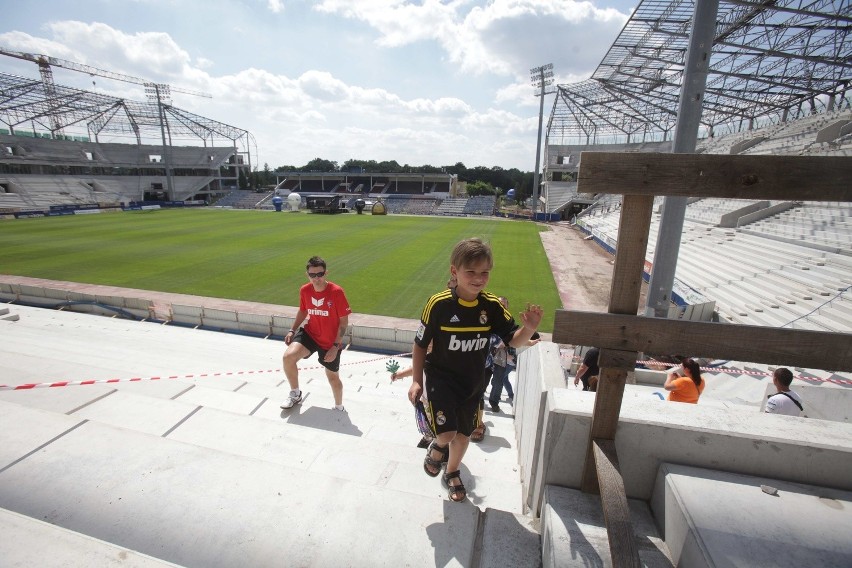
471,251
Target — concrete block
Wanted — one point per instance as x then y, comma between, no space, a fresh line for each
573,531
814,452
539,371
189,315
714,518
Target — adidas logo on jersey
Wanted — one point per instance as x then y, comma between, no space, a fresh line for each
454,319
467,344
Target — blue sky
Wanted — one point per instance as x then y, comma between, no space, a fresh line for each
426,82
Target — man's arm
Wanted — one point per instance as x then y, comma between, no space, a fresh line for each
331,354
300,317
771,406
583,368
342,326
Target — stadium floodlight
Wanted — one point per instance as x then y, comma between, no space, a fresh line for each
541,78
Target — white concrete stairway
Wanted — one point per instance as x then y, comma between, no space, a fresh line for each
211,472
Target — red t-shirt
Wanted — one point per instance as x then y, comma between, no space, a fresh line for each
324,311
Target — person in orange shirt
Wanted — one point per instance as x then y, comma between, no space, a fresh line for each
686,388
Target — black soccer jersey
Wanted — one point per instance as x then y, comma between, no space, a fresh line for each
460,333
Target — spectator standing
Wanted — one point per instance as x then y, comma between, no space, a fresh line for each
325,306
785,401
588,369
503,362
459,322
686,388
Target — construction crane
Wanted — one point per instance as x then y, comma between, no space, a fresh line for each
45,62
158,93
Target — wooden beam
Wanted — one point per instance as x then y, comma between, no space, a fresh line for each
622,544
791,178
755,344
635,220
614,366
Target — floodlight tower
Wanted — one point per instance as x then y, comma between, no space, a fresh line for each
541,78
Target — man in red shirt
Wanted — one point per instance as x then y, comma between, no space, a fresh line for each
324,304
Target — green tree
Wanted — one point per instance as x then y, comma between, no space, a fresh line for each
320,165
480,188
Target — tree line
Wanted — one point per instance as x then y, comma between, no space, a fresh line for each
480,180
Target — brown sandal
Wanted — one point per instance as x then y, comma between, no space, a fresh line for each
438,464
454,490
478,433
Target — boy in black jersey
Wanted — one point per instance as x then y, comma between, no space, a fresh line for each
459,323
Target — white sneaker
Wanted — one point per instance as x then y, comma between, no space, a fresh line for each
339,407
292,400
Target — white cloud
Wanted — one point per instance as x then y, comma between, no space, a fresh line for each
503,37
478,106
153,55
275,6
322,85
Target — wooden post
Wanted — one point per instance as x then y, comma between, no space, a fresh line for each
624,299
619,529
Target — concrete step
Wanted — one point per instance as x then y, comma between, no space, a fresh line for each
361,445
198,506
24,539
573,531
208,437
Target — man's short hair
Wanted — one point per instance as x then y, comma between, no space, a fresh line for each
316,262
783,375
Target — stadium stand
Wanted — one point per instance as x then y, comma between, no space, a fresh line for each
55,168
451,206
480,205
790,474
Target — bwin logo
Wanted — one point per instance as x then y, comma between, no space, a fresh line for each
467,344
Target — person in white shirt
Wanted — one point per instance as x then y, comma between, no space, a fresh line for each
785,401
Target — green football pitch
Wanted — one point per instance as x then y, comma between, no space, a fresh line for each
388,265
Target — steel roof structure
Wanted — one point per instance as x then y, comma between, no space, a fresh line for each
32,105
771,60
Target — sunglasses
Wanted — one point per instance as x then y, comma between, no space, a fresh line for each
316,274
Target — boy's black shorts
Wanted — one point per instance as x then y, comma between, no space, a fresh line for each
452,407
309,343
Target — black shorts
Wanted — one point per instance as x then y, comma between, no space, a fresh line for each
308,342
450,408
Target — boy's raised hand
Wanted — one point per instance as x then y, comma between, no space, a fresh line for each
531,317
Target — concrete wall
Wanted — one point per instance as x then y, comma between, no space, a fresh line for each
651,432
824,401
539,371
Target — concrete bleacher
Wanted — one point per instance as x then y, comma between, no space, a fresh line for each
208,455
745,266
46,191
828,225
452,206
189,444
480,205
815,134
245,199
134,169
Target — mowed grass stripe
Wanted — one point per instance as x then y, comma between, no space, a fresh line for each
389,265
